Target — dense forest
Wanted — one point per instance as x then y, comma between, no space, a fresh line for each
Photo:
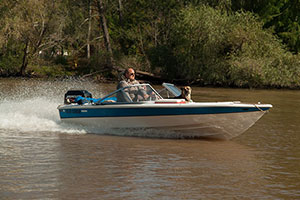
232,43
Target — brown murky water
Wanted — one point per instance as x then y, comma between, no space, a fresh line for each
41,158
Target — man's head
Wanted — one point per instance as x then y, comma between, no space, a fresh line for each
130,74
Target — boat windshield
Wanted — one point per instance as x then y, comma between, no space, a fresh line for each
169,91
132,93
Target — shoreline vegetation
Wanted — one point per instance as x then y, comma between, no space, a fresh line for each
228,43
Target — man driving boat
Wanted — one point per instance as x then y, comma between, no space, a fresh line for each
131,93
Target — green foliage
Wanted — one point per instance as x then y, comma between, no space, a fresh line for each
49,71
281,15
61,60
224,42
218,48
10,58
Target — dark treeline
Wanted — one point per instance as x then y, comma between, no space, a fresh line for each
236,43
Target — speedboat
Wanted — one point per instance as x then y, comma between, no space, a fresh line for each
142,107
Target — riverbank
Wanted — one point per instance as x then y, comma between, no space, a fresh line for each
55,73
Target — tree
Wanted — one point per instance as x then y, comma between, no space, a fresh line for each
88,48
281,15
31,23
103,24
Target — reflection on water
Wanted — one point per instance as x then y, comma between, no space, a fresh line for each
40,158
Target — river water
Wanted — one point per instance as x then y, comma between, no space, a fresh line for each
42,158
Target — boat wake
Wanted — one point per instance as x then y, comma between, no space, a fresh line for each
33,115
31,106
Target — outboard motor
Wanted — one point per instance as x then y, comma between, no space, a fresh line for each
71,95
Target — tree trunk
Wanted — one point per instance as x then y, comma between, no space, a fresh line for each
120,12
25,60
143,49
88,47
103,25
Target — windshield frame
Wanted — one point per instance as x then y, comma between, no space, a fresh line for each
159,97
